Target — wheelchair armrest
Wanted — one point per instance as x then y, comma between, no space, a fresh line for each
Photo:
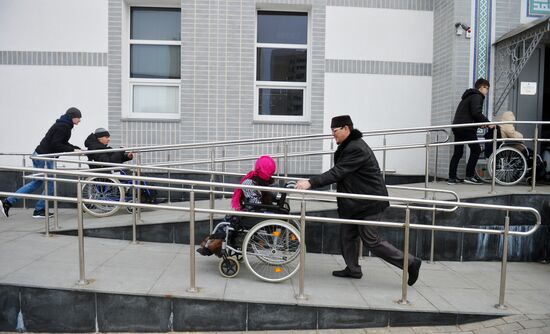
265,208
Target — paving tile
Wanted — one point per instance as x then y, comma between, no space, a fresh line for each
493,322
531,323
515,318
490,330
509,328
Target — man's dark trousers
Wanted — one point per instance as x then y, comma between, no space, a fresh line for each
349,239
475,150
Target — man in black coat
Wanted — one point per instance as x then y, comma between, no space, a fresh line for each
356,171
56,140
469,110
99,140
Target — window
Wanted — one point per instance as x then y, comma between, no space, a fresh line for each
154,63
281,66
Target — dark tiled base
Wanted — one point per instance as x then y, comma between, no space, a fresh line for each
50,310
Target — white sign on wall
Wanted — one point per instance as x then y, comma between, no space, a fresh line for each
528,88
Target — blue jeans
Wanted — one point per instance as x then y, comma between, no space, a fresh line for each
32,186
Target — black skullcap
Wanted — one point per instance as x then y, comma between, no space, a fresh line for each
340,121
73,113
101,132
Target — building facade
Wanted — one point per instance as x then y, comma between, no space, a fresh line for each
168,72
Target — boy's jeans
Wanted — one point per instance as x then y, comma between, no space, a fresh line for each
35,184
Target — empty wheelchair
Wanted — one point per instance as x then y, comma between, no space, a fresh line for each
270,248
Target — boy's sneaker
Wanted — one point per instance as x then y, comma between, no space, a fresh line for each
41,214
473,180
452,181
455,181
5,208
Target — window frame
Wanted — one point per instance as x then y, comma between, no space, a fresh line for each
128,83
304,86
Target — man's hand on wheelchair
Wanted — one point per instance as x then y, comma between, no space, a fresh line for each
303,185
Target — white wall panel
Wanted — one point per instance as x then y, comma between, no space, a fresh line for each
378,102
379,34
33,97
53,25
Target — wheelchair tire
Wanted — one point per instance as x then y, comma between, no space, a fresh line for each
511,166
102,193
271,250
229,267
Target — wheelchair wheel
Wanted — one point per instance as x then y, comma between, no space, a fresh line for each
272,250
114,193
229,267
511,166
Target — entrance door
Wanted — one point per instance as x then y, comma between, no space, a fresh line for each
528,92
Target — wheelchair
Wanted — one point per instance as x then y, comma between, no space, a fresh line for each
269,248
113,191
513,161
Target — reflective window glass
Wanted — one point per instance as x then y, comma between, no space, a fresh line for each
281,102
155,61
282,27
281,65
155,23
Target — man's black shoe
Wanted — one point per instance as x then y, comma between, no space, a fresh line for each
414,270
347,273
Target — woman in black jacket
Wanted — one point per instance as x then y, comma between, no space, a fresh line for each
356,171
99,140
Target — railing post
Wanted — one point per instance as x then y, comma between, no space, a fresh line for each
432,242
211,204
427,164
403,299
500,304
138,160
494,162
384,157
301,295
285,148
192,285
535,152
55,207
169,183
223,170
46,207
24,182
80,219
331,160
436,156
134,210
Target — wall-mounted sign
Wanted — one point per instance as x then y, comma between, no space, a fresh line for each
538,7
528,88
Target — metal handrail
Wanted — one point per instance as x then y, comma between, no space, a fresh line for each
302,217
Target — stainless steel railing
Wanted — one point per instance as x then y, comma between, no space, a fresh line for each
303,218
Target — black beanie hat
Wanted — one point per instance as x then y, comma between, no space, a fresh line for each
340,121
73,113
101,132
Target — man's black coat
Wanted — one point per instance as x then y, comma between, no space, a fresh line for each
355,171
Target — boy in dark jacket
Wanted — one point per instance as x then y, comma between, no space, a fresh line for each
98,140
469,110
56,140
356,171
